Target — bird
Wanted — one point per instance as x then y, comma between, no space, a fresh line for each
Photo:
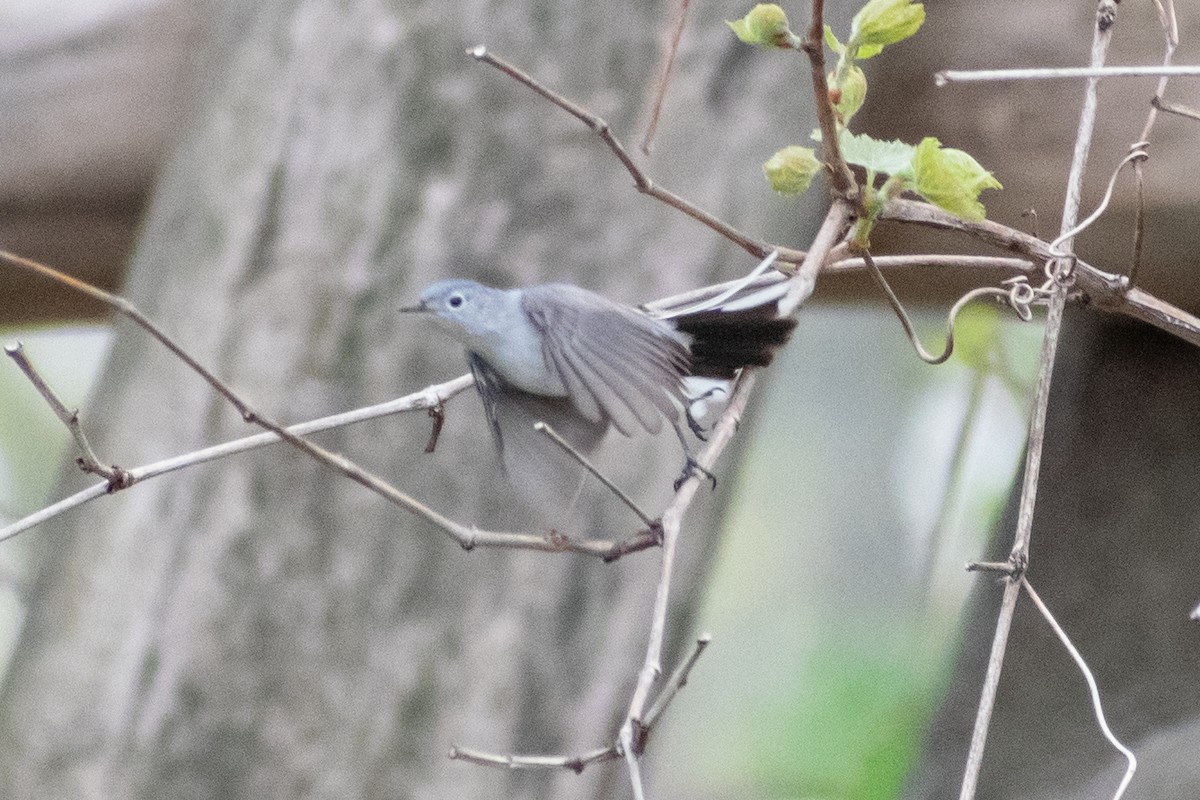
584,364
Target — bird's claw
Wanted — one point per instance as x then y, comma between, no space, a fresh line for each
692,469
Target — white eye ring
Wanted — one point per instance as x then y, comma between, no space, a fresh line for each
455,300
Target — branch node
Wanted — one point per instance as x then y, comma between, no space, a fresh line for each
559,542
467,540
438,414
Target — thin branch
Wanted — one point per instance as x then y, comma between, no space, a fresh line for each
666,64
1166,20
1093,689
641,180
676,682
841,179
1175,108
582,460
1037,425
427,398
115,478
127,309
1054,73
578,763
574,763
1106,291
964,262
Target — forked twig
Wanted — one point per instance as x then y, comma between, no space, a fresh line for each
115,477
577,763
633,730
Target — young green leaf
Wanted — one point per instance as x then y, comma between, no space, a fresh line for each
766,26
950,179
884,22
860,149
833,42
791,170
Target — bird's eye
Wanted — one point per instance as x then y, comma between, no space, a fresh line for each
455,300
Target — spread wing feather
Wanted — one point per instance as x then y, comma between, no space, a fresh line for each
613,361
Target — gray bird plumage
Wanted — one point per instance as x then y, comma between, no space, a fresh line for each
583,363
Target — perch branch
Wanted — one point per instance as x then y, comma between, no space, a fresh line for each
632,731
468,537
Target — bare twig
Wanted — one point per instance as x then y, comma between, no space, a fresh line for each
427,398
115,477
1093,689
575,763
1054,73
437,413
1037,426
1175,108
666,63
127,309
676,682
1166,19
583,461
641,180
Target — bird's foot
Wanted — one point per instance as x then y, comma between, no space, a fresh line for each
693,469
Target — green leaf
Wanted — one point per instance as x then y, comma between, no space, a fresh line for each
833,42
861,150
792,169
868,51
765,26
950,179
884,22
852,91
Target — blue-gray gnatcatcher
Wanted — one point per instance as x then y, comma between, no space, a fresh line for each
582,363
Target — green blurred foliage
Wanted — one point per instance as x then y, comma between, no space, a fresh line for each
833,610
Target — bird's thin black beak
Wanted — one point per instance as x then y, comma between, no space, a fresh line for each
418,308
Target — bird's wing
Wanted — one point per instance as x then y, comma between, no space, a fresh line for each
536,466
617,364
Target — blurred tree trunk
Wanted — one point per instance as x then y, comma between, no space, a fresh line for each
261,627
